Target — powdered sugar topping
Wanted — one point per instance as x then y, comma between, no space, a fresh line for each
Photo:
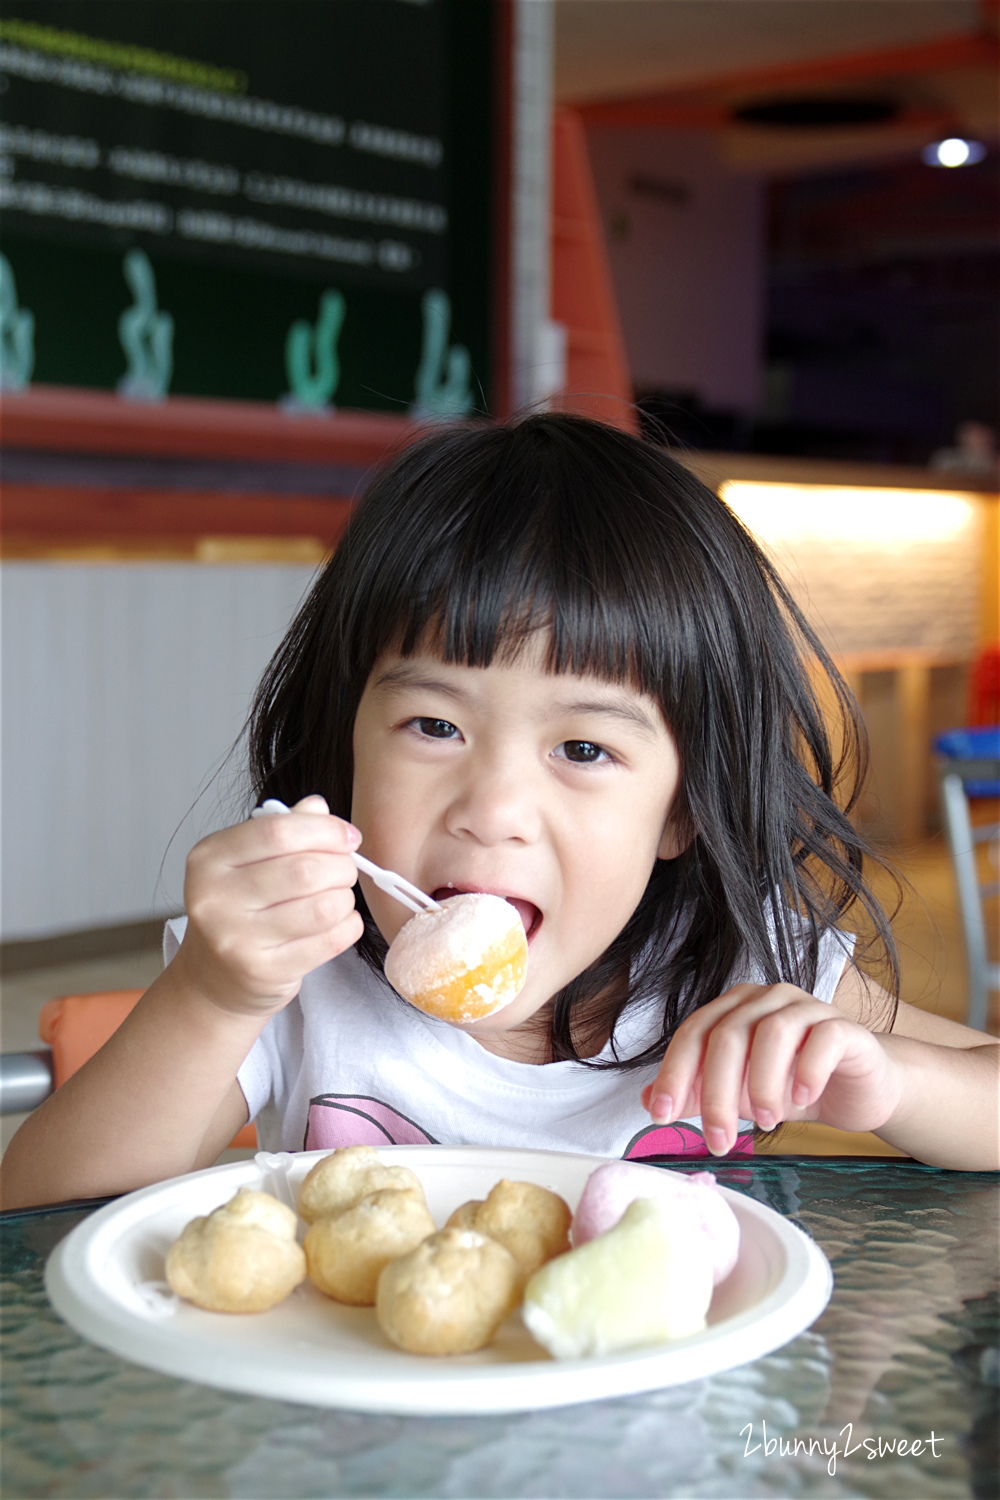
438,946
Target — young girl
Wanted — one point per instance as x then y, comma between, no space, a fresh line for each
547,663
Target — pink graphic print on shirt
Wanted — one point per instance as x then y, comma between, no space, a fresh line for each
358,1120
337,1120
681,1139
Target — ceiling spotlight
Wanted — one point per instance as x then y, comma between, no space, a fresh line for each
954,152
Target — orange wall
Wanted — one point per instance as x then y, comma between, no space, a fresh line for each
598,383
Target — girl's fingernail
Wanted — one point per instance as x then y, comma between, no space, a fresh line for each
764,1119
353,836
800,1094
716,1139
661,1107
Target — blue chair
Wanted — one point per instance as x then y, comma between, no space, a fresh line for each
968,764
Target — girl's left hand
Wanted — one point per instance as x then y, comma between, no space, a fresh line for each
773,1053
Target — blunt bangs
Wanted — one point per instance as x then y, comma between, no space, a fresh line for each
482,540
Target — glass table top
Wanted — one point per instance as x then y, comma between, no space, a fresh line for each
893,1392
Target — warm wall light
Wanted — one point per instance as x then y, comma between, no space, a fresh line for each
837,513
954,152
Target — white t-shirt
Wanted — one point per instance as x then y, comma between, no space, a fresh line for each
348,1063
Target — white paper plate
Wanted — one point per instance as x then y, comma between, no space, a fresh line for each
104,1278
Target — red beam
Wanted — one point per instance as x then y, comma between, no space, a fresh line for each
81,421
700,104
38,512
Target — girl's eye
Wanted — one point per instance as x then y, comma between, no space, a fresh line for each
582,752
435,729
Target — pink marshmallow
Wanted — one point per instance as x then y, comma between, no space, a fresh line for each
610,1189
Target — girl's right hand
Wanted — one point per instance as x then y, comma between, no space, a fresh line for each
268,901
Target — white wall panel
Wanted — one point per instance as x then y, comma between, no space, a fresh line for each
124,688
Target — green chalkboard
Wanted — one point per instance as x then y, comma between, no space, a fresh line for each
272,200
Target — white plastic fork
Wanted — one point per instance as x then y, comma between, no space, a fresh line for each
387,880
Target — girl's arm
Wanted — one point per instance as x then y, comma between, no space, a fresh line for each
929,1087
267,902
949,1110
160,1098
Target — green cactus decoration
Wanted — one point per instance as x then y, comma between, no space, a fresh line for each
17,334
311,361
146,334
439,399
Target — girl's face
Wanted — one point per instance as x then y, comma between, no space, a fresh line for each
554,791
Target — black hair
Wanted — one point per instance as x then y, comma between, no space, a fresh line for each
475,537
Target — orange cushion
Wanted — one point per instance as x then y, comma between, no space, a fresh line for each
77,1026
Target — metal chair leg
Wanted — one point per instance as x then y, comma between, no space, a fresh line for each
963,850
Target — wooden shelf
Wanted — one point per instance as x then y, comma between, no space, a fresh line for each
714,469
88,474
79,421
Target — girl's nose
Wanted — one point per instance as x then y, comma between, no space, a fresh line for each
493,805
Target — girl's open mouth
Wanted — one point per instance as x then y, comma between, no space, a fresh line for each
531,917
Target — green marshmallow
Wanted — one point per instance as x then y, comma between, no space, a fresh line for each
647,1280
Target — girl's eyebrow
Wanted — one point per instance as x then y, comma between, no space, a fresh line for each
412,677
615,707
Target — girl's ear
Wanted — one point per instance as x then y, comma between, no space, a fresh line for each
677,834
